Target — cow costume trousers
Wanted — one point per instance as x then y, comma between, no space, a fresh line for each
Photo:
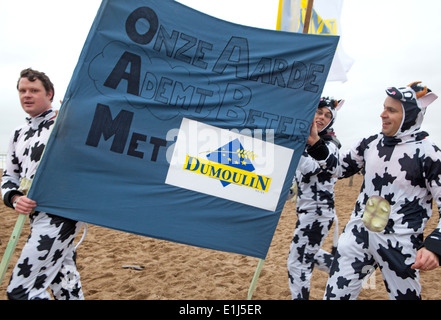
360,251
316,213
54,264
305,252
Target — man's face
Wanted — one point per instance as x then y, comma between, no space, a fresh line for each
392,116
33,96
322,118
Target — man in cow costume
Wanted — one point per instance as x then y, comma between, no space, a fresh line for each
315,206
402,175
48,257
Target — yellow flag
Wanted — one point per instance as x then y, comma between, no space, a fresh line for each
325,20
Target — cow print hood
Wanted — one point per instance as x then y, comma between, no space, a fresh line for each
333,106
327,133
414,99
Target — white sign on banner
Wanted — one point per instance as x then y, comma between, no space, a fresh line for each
228,165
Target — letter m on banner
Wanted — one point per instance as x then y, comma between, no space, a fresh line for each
183,127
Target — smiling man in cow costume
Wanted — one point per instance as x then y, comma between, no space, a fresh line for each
315,206
402,174
48,258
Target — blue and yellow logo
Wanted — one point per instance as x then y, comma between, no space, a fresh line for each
229,164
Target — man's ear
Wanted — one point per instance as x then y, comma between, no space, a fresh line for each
51,95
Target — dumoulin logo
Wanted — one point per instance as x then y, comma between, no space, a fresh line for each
229,164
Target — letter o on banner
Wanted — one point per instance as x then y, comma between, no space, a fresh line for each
142,13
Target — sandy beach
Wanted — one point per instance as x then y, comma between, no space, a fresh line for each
171,271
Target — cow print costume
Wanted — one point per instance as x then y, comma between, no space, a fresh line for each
405,169
315,211
48,258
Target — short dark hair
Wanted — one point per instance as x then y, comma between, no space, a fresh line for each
32,75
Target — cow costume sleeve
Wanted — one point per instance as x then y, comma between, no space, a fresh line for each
319,151
432,172
11,172
309,165
25,150
345,164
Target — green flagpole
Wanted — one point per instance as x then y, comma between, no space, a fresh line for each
25,185
11,245
255,278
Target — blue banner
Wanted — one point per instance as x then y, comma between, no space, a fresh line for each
180,126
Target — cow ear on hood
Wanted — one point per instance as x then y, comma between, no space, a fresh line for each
339,104
427,99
